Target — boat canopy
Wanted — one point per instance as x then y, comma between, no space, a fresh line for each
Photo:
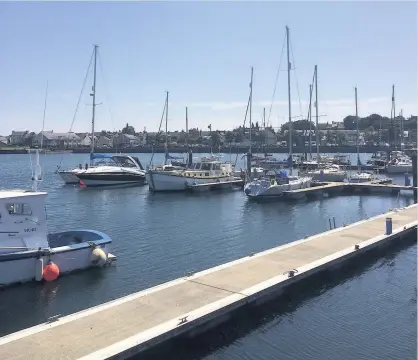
100,156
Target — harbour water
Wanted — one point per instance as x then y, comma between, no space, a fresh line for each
368,314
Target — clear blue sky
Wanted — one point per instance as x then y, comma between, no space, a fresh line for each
202,54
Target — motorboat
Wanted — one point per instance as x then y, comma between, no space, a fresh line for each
331,173
275,184
400,165
70,176
206,170
361,177
28,252
113,170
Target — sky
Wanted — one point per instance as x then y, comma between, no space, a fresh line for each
202,53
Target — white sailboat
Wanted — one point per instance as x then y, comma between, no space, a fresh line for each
359,176
70,176
28,252
276,184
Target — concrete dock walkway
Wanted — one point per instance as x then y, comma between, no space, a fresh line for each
124,327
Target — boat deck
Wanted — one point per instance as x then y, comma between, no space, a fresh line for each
127,326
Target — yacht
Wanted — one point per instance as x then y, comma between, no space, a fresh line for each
331,173
113,170
274,184
207,170
69,176
28,252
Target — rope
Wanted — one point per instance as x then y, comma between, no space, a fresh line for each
79,99
277,78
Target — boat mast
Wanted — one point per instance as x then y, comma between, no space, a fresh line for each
93,94
166,129
289,98
310,119
251,104
401,128
358,145
187,128
393,116
316,114
264,118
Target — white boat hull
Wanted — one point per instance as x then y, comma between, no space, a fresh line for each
396,169
69,177
23,266
263,188
173,182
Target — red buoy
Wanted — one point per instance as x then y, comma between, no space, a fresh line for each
51,272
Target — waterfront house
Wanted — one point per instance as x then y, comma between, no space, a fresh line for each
86,140
19,138
50,139
4,141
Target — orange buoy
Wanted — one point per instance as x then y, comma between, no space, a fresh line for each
51,272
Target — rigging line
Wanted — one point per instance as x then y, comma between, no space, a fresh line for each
277,78
159,129
296,77
79,98
43,119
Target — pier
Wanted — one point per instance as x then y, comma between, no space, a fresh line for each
348,188
190,305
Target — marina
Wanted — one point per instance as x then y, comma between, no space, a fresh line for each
243,217
204,299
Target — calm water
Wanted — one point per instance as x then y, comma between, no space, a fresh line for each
370,313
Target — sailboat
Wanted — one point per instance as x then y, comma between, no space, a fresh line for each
324,171
360,176
70,176
275,184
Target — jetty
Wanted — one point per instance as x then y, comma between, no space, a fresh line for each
332,188
190,305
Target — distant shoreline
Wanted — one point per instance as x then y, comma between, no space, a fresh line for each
200,150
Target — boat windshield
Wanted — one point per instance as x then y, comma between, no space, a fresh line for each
206,166
124,161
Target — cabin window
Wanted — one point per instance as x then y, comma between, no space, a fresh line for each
216,167
197,166
19,209
205,167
